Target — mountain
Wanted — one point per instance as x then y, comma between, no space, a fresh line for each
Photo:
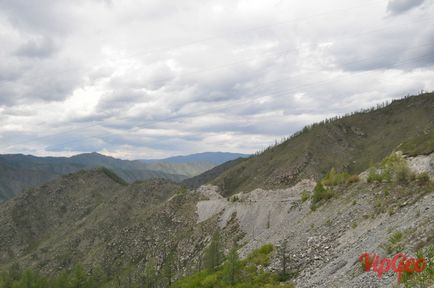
94,218
215,158
116,230
312,205
349,143
20,172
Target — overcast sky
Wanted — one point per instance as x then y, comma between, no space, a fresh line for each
155,78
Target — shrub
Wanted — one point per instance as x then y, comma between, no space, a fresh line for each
353,179
393,168
374,175
334,178
394,244
423,178
321,193
403,174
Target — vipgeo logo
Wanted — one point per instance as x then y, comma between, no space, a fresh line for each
398,264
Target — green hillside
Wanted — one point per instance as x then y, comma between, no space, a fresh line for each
350,144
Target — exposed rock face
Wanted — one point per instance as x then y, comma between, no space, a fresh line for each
422,163
324,245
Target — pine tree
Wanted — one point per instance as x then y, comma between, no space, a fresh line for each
214,254
232,267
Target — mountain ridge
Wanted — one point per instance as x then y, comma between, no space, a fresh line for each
20,172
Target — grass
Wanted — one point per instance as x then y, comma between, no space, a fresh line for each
394,244
426,277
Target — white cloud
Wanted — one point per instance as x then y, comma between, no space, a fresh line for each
145,79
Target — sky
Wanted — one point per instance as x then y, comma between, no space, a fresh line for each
157,78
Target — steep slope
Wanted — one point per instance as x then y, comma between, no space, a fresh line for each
349,143
92,218
325,243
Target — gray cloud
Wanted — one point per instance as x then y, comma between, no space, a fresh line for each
37,48
142,79
401,6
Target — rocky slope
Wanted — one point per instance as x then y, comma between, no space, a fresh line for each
93,218
324,244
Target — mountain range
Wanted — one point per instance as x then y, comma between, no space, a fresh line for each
336,189
19,172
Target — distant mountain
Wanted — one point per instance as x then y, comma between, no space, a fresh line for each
19,172
216,158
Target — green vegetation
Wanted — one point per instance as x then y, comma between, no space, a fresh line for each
232,272
421,145
248,273
214,254
320,193
423,178
393,168
77,277
333,178
426,277
305,195
394,245
182,191
348,144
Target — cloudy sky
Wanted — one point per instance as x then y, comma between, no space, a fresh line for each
155,78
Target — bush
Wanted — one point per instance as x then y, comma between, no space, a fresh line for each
334,178
353,179
374,175
394,245
423,178
321,193
403,174
393,168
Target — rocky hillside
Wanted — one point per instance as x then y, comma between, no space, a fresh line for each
349,143
325,241
93,218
